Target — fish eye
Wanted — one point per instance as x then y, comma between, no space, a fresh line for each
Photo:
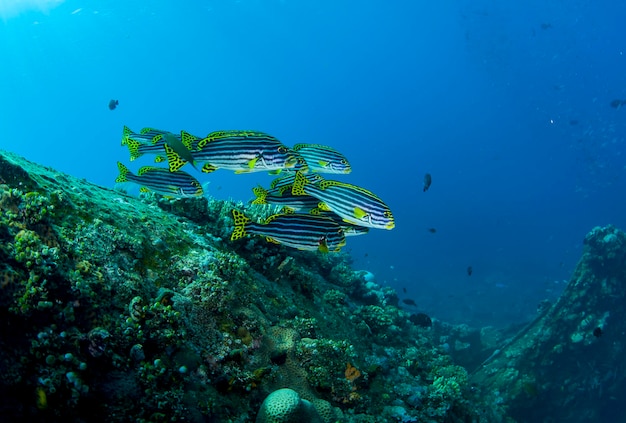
282,149
344,161
388,214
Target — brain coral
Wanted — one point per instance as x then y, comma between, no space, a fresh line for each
286,406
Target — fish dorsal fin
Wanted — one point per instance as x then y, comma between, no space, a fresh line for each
174,161
215,135
300,146
327,184
145,169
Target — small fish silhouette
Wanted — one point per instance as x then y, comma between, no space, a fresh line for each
427,181
410,302
469,270
113,104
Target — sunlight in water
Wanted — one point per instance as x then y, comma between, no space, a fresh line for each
11,8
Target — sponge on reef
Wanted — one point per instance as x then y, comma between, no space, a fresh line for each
286,406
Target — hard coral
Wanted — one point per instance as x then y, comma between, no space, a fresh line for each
286,406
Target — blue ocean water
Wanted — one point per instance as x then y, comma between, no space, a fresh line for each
507,105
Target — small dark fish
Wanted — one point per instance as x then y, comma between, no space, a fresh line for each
421,319
616,104
546,26
597,332
432,230
469,270
113,104
404,289
427,181
410,302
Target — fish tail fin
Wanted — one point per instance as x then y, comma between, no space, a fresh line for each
126,133
240,225
298,184
174,161
123,176
188,140
133,148
261,194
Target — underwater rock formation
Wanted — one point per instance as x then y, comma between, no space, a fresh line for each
569,363
142,309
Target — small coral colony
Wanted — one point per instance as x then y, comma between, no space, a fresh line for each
316,213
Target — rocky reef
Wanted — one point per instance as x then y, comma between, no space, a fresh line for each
115,308
568,364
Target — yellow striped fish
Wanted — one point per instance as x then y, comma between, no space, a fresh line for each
241,151
301,231
323,159
162,181
354,204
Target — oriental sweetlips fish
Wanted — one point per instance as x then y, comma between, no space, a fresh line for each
301,231
323,159
162,181
353,204
241,151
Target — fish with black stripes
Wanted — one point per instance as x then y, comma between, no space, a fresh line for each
323,159
240,151
352,203
296,230
162,181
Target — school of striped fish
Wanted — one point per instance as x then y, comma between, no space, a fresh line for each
317,214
